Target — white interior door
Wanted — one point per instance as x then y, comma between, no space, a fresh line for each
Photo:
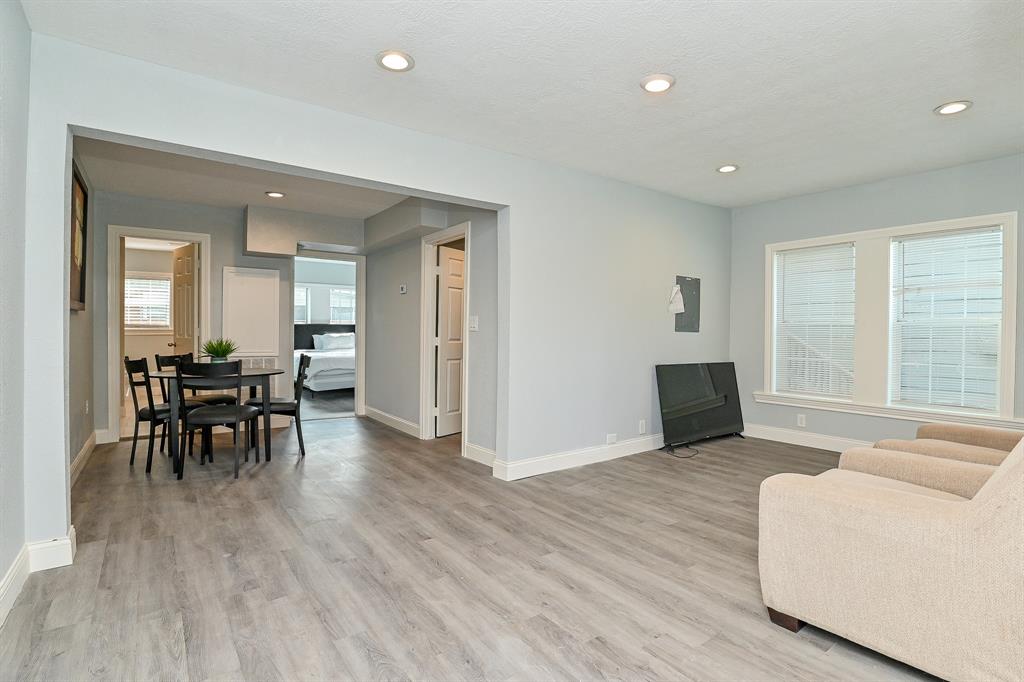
186,297
450,311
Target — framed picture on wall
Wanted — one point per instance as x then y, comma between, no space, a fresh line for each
79,234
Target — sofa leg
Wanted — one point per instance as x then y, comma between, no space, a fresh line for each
782,620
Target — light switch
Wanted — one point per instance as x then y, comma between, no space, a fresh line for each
474,323
402,289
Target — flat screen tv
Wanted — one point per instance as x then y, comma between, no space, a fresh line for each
698,401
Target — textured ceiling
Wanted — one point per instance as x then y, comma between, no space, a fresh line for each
162,175
803,95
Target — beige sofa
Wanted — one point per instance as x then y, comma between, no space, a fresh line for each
924,563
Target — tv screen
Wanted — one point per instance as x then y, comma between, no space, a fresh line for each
698,401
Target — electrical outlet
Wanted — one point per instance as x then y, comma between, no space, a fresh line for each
801,420
643,426
611,439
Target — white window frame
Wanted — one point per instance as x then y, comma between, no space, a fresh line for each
331,288
151,331
871,338
309,302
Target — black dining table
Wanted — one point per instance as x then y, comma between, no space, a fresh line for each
251,377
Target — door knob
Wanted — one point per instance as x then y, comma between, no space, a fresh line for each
171,344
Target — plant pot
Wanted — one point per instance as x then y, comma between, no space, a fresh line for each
214,359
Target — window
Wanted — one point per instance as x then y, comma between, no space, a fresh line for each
147,301
912,322
814,320
301,305
946,319
343,305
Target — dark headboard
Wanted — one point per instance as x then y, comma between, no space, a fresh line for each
304,333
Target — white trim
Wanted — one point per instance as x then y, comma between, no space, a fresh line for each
534,466
82,458
914,414
478,454
52,553
360,261
14,580
115,314
807,439
428,303
403,425
870,394
106,436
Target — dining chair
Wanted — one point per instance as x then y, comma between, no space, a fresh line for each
224,375
168,361
289,406
157,414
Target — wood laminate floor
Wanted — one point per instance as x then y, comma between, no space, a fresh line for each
381,557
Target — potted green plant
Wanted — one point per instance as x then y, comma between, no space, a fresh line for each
218,350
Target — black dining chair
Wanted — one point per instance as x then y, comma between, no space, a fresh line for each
289,406
157,414
224,375
169,361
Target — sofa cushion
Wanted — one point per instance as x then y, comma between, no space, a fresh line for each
946,449
860,479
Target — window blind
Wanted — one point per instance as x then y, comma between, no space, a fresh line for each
946,319
814,320
147,302
343,305
301,305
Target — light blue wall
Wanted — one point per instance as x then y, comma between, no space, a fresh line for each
15,42
994,186
321,276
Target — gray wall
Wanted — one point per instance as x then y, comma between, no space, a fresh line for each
392,330
321,276
80,339
15,41
226,229
994,186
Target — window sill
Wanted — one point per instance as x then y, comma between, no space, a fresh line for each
915,414
148,332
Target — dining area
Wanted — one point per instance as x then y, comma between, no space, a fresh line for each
184,399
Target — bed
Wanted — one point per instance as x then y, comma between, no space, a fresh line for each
329,370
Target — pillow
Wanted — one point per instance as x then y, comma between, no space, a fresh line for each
337,341
318,341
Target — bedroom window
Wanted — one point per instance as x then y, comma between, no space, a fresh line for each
913,322
301,305
343,305
147,301
815,295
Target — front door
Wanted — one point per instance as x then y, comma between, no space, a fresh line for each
450,310
186,296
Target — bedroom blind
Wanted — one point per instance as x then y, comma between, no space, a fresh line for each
946,319
814,320
147,302
301,305
343,305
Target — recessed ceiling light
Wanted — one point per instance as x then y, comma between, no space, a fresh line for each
394,60
950,108
657,82
728,168
275,195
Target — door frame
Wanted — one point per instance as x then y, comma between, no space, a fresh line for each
360,261
428,311
115,313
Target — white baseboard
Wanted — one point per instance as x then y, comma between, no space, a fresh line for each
52,553
478,454
403,425
107,436
806,438
523,468
82,458
13,581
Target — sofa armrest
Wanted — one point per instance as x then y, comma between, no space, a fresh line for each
982,436
949,475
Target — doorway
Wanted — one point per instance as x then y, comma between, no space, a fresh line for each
327,324
158,304
444,331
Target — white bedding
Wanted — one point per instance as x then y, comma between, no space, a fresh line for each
327,361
